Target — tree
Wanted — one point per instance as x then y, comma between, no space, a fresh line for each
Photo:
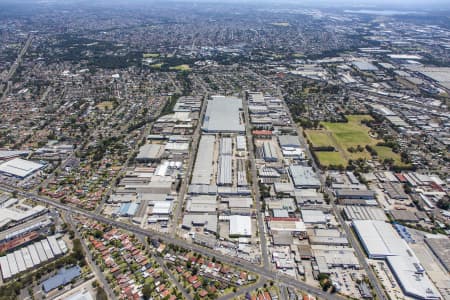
443,204
147,291
101,294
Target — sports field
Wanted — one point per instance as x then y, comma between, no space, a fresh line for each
319,138
343,136
328,158
181,68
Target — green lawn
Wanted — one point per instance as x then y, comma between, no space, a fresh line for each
181,68
150,55
342,136
351,134
330,158
386,152
319,138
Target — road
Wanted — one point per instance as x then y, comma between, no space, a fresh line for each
90,261
187,176
243,291
232,261
352,239
255,188
160,261
15,65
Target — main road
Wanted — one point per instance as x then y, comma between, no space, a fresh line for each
255,187
233,261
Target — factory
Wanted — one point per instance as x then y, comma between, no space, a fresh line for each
223,115
20,168
31,256
240,226
203,168
381,241
304,177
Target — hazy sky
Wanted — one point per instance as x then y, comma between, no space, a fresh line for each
403,4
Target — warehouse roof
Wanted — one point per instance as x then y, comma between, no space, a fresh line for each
364,213
240,225
203,168
314,216
223,115
20,167
380,240
63,277
224,174
289,141
150,152
304,176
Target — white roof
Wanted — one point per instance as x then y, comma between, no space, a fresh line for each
313,216
203,168
240,225
20,167
381,241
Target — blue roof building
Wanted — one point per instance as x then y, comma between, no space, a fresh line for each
63,277
127,209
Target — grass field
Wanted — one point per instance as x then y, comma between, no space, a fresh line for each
319,138
330,158
351,134
342,136
181,68
386,153
105,105
150,55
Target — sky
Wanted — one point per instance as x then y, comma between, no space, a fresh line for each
378,4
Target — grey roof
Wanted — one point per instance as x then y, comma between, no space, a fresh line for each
304,176
224,174
150,152
203,168
226,146
269,152
289,141
380,240
63,277
208,221
364,213
365,66
223,115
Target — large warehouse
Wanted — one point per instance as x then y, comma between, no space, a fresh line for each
304,177
381,241
240,226
203,168
20,168
223,115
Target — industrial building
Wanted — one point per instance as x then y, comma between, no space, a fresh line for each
20,168
441,248
223,114
268,152
207,221
127,209
241,144
240,226
310,216
304,177
202,204
63,277
381,241
150,153
31,256
364,213
203,168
